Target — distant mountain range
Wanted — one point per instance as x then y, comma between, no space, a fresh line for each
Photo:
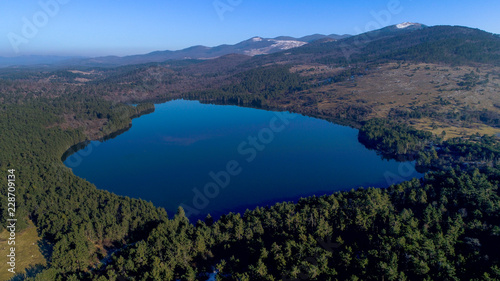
251,47
406,40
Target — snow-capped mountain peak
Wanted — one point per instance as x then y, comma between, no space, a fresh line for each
257,39
273,45
405,25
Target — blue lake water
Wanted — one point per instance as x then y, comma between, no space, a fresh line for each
215,159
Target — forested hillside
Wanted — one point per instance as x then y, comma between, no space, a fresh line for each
446,226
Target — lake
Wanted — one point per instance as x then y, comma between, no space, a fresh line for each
216,159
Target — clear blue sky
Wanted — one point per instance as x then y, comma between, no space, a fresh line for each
123,27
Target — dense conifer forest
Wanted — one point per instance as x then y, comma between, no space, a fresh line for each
445,226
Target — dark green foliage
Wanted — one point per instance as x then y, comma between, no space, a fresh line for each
392,138
473,151
257,87
70,213
444,227
269,81
438,44
440,228
265,83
